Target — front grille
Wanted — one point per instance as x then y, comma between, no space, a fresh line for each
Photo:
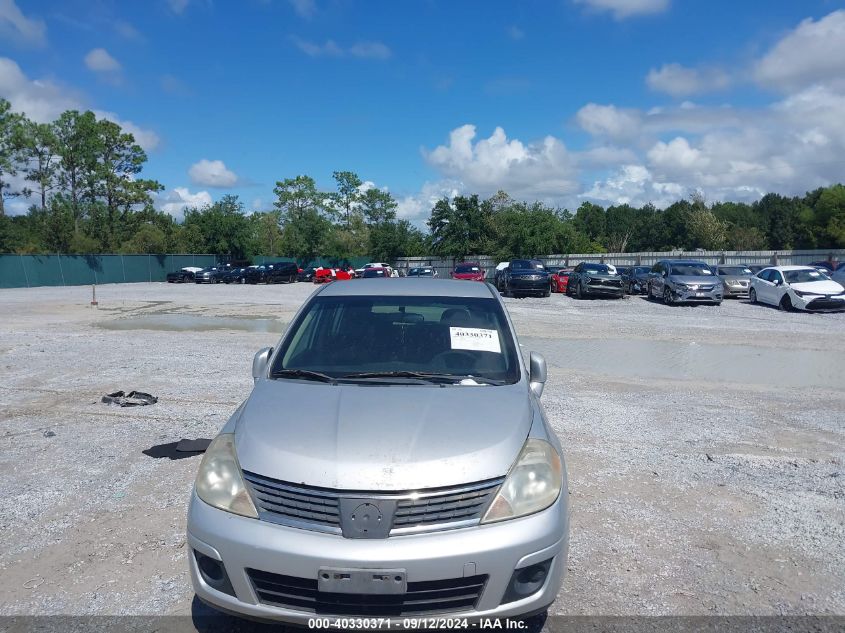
826,303
298,504
426,597
614,283
443,507
314,508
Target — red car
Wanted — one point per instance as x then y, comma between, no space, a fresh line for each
470,271
325,275
560,279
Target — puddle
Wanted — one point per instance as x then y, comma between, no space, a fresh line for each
194,323
695,362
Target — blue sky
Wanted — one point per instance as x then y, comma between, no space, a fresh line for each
606,100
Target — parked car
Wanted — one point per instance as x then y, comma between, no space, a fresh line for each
827,264
421,271
183,275
438,490
273,273
468,271
359,272
326,275
559,279
210,275
306,274
635,279
525,277
592,279
684,281
234,276
376,272
736,280
497,274
797,287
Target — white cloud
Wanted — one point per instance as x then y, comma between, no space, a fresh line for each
127,31
178,199
634,185
680,81
100,61
330,48
609,121
812,53
43,100
304,8
541,169
212,173
178,6
515,33
16,26
370,50
621,9
416,207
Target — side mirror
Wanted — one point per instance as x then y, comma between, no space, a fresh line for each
536,373
260,361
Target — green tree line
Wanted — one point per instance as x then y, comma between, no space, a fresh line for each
82,178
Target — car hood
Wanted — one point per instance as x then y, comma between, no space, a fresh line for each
379,437
826,287
602,276
706,280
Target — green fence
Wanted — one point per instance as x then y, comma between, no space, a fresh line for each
23,271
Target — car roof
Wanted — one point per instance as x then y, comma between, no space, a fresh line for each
784,268
684,261
399,287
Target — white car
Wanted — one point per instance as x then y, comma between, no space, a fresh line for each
360,271
797,287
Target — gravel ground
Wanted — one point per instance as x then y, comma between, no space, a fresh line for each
705,446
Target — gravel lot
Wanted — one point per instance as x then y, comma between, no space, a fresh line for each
705,446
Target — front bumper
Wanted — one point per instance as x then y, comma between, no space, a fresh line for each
817,303
688,295
494,550
602,290
529,286
736,291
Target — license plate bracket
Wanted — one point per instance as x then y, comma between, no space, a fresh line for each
362,581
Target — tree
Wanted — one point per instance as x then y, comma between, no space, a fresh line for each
303,217
378,206
348,192
220,228
706,230
11,148
76,137
41,158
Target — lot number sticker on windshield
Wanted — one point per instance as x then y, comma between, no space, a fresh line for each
475,339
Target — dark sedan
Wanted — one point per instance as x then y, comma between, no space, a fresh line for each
209,275
183,275
635,279
591,279
234,276
524,277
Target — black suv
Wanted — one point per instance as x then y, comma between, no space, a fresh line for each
525,277
273,273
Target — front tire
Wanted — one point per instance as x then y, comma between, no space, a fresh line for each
752,295
786,303
579,291
667,297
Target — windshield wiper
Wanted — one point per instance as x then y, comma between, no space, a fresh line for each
302,373
423,375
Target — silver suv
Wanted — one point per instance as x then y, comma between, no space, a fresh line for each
393,461
684,281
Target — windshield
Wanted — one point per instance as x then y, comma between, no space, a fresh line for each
459,336
734,270
530,264
803,276
690,270
600,269
641,270
466,268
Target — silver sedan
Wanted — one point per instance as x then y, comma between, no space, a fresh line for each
392,461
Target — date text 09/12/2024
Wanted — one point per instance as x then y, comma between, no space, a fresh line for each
363,624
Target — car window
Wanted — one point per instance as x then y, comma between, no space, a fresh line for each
454,335
690,270
804,276
775,276
600,269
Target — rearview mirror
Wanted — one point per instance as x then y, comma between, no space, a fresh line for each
536,373
259,363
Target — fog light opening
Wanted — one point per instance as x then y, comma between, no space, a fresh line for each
213,573
527,581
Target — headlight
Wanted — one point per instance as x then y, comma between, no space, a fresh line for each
533,484
681,287
219,481
803,294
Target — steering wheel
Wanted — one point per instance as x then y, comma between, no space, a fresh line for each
454,359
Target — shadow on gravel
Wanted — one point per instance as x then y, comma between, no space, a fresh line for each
174,451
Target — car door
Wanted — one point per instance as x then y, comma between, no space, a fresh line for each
778,288
656,279
763,286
